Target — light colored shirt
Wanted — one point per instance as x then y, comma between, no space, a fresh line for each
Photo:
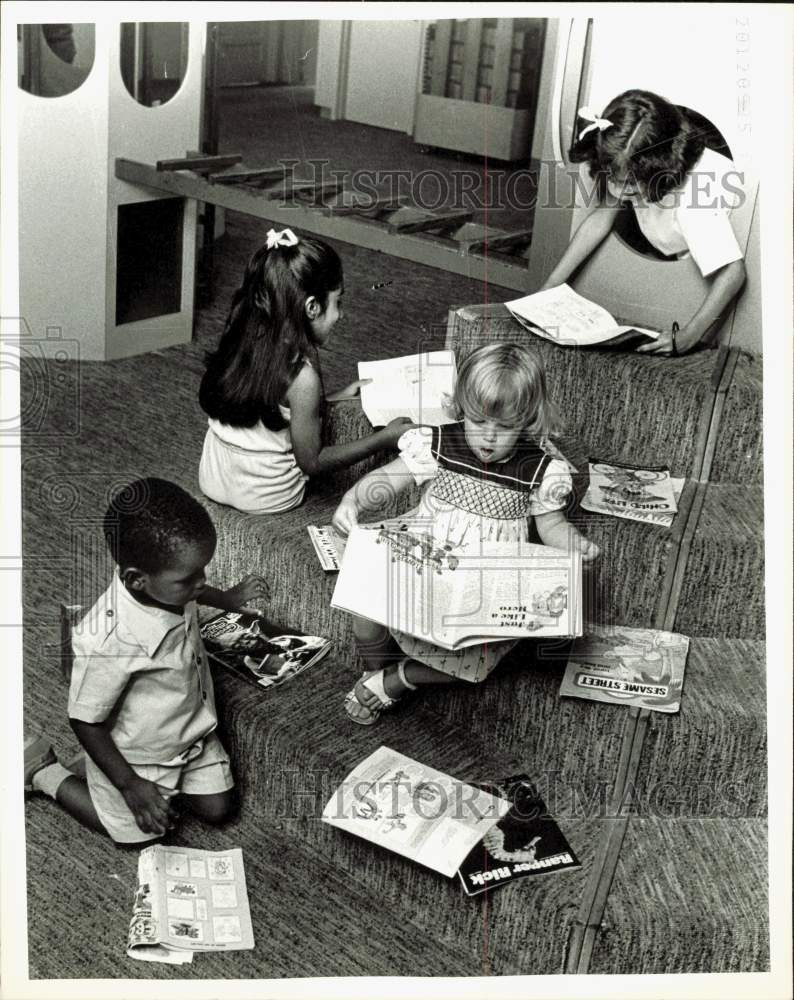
695,218
144,670
251,468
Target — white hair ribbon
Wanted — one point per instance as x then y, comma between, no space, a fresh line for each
595,122
286,238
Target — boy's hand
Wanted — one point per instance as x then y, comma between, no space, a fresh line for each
345,516
249,594
149,804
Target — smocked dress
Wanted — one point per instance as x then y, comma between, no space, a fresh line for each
466,498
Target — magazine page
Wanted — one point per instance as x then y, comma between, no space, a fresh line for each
525,841
329,546
144,932
247,643
628,666
629,491
413,386
202,901
413,810
562,315
459,593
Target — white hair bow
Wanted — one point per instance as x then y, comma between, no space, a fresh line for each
286,238
595,122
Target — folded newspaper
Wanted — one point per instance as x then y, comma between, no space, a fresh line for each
459,594
413,810
189,900
415,386
525,841
628,666
628,491
563,316
248,644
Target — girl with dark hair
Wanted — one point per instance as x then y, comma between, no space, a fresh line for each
648,152
263,390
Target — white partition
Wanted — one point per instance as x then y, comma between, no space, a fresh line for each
69,200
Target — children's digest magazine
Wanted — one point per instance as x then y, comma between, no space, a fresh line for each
638,494
189,900
525,841
628,666
563,316
246,643
413,810
415,386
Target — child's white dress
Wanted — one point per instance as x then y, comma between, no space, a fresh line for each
467,498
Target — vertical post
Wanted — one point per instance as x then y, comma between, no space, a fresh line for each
441,43
503,48
471,58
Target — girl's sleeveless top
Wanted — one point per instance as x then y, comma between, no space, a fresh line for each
251,468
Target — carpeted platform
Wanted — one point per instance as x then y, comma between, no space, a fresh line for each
327,904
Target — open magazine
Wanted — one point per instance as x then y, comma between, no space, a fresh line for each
189,900
563,316
525,841
628,491
413,810
458,593
628,666
248,644
414,386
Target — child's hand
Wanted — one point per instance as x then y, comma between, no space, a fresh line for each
149,804
349,392
248,595
395,429
587,548
345,516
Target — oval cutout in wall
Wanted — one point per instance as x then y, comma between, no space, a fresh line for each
154,60
626,227
54,59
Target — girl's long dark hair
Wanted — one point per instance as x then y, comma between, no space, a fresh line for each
650,140
268,335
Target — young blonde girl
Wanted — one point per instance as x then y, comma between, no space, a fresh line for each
263,390
484,477
649,153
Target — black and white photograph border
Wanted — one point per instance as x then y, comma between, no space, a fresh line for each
685,884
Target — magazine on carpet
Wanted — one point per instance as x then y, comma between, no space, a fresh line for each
249,645
628,666
638,494
525,841
563,316
189,900
460,592
413,810
414,386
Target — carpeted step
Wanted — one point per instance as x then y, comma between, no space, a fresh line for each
722,588
738,452
626,407
294,749
709,759
689,895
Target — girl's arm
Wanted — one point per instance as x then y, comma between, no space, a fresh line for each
372,493
556,530
304,397
593,231
725,286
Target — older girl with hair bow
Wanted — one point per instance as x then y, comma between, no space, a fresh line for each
263,390
646,151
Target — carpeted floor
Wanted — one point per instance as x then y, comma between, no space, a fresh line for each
324,904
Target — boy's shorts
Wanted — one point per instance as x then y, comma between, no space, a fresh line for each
203,769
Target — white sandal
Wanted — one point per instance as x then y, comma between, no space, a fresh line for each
373,681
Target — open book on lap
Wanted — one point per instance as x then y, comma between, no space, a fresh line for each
563,316
459,593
